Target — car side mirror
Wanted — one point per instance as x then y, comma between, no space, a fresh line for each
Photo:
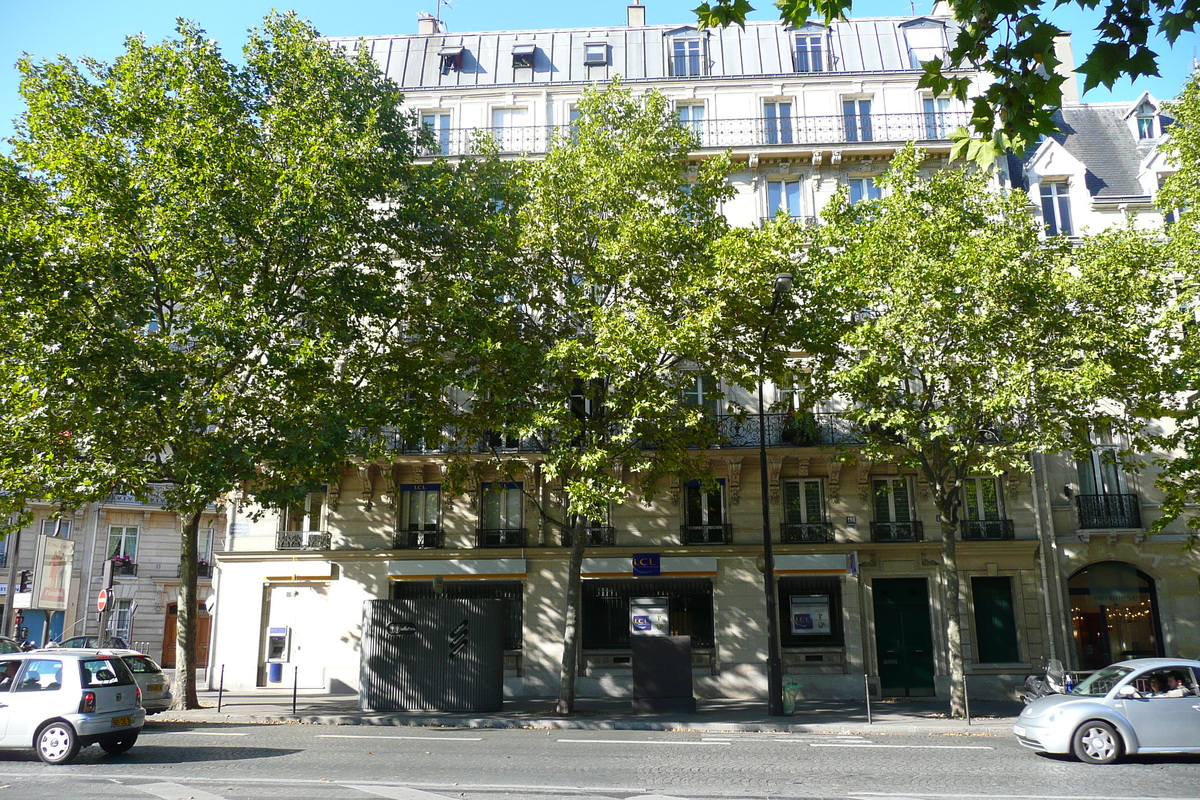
1128,691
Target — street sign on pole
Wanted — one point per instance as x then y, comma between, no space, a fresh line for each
103,599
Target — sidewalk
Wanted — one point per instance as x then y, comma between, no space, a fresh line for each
893,716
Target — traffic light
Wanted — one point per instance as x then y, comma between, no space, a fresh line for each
19,619
24,581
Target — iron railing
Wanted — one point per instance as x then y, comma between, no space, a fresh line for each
419,540
980,530
806,532
500,537
303,540
125,568
202,570
909,531
706,534
594,536
1109,511
783,132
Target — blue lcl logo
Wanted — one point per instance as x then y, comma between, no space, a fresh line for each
646,564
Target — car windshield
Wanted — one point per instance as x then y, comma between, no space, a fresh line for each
140,664
104,672
1102,682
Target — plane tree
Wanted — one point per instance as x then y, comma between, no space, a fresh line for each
973,343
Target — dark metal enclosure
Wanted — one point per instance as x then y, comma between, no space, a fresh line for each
432,655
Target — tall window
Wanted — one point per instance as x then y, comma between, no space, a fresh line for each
784,196
121,622
1147,121
777,121
502,506
856,113
995,621
704,514
804,512
509,126
982,498
122,541
937,115
62,526
420,506
204,544
810,52
688,57
1056,208
892,500
703,392
691,116
863,189
438,124
1104,498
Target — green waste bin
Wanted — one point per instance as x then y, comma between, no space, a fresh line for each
790,690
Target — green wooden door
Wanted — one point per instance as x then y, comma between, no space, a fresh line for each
903,638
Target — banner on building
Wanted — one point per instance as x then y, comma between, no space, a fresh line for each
52,573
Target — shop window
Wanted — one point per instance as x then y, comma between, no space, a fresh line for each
605,610
810,612
995,621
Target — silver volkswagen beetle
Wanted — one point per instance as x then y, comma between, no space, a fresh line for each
1144,705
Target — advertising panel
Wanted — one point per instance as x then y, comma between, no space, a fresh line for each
810,615
52,573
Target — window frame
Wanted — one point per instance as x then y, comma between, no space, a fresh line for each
121,549
976,492
802,51
511,489
995,642
877,482
856,119
779,202
788,587
409,492
935,116
778,127
1055,198
595,54
867,189
688,59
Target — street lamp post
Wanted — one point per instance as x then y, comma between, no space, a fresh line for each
783,284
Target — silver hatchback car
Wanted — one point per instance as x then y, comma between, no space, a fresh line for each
1144,705
57,701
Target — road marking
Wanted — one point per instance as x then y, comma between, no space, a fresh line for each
639,742
447,738
196,733
395,792
174,791
654,797
852,745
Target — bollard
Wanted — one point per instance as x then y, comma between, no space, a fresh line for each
221,689
966,700
295,687
867,691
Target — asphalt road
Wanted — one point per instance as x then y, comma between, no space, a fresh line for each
179,761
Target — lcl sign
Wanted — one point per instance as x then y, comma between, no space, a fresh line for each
646,564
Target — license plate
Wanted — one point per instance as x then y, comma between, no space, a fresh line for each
154,687
1018,730
122,722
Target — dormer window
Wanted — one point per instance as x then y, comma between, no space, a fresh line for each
810,52
689,57
595,54
523,54
926,40
451,59
1147,122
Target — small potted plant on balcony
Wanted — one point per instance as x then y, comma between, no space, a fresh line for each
800,429
122,564
203,568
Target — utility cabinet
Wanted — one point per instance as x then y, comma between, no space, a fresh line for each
441,654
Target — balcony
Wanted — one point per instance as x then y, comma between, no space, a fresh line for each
3,560
1108,511
303,540
806,532
910,531
203,570
126,569
785,430
500,537
419,540
706,534
785,133
594,536
986,530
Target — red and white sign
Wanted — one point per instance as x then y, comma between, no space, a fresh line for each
103,599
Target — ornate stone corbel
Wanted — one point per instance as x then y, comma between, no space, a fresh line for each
868,560
753,161
387,492
922,488
774,467
835,479
734,480
367,492
817,156
835,158
803,466
674,487
1012,484
926,561
333,492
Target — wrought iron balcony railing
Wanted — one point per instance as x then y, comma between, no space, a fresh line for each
781,132
910,531
786,430
202,570
595,536
979,530
125,568
303,540
806,532
706,534
500,537
1109,511
419,540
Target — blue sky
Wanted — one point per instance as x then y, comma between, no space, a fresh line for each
97,28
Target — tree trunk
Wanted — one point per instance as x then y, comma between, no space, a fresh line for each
958,681
185,628
570,659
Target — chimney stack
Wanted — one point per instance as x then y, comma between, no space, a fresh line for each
1066,68
637,15
427,24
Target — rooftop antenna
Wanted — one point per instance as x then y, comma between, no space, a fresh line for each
441,3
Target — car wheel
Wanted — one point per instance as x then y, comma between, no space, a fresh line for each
1097,743
56,743
118,744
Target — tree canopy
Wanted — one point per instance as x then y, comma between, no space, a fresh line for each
1014,44
203,273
